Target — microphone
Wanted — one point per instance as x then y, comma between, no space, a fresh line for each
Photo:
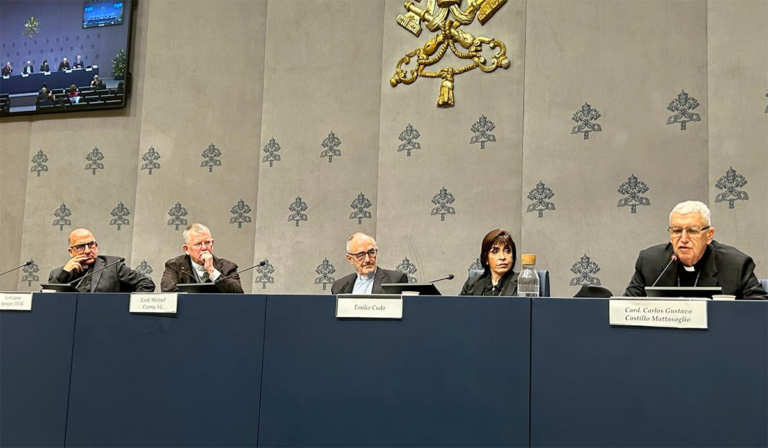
447,277
17,267
119,260
672,259
257,265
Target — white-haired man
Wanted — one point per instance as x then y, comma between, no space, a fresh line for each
199,265
362,254
695,258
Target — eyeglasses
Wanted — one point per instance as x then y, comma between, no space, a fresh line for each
208,243
81,247
361,255
693,232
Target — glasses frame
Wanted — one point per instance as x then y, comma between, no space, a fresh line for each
201,244
89,245
688,231
360,256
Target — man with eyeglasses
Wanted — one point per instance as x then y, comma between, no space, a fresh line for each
693,258
362,254
86,266
199,265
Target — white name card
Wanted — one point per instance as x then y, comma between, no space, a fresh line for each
380,306
16,301
659,313
154,302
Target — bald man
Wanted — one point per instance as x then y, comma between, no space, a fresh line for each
362,253
84,263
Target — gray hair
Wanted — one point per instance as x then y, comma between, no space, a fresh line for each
356,235
686,207
194,227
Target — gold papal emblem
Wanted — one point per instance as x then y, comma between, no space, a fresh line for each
31,28
445,17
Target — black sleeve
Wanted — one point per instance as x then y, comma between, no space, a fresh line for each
133,281
170,278
230,284
636,287
751,288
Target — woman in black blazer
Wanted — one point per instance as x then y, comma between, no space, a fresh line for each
497,255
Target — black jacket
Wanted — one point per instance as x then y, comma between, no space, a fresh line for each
346,284
722,266
474,286
116,278
180,270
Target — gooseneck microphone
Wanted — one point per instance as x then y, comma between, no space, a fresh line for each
672,259
119,260
17,268
447,277
257,265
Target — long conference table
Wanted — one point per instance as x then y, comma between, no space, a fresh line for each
55,80
255,370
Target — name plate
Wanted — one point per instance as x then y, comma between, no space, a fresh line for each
154,302
659,313
16,301
380,306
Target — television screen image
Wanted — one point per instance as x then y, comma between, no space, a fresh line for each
102,13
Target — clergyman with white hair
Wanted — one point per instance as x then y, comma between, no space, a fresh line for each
199,265
693,258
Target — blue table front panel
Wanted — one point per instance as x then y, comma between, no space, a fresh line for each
146,380
453,372
35,364
597,385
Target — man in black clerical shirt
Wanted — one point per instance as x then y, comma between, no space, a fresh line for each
63,65
92,272
694,258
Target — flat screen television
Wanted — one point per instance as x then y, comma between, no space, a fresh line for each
45,75
98,13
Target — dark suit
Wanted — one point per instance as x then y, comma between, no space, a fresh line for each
720,265
345,285
7,71
78,64
474,286
63,66
180,270
116,278
28,69
45,68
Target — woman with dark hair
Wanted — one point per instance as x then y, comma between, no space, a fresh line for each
44,66
497,255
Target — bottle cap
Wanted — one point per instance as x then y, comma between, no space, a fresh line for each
528,259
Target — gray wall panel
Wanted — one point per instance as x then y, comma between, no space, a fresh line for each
628,60
738,129
321,77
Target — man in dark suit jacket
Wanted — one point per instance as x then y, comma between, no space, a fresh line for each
28,69
694,258
7,69
63,65
85,258
368,277
78,63
199,265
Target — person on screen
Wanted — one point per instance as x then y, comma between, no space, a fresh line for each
497,255
78,63
694,258
44,96
362,254
97,83
7,69
73,94
44,66
120,88
199,265
28,69
85,269
63,65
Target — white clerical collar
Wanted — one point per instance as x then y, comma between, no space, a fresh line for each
690,268
363,278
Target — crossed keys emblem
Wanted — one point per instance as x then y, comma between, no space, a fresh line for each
446,17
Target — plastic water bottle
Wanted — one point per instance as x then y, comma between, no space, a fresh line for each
528,281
